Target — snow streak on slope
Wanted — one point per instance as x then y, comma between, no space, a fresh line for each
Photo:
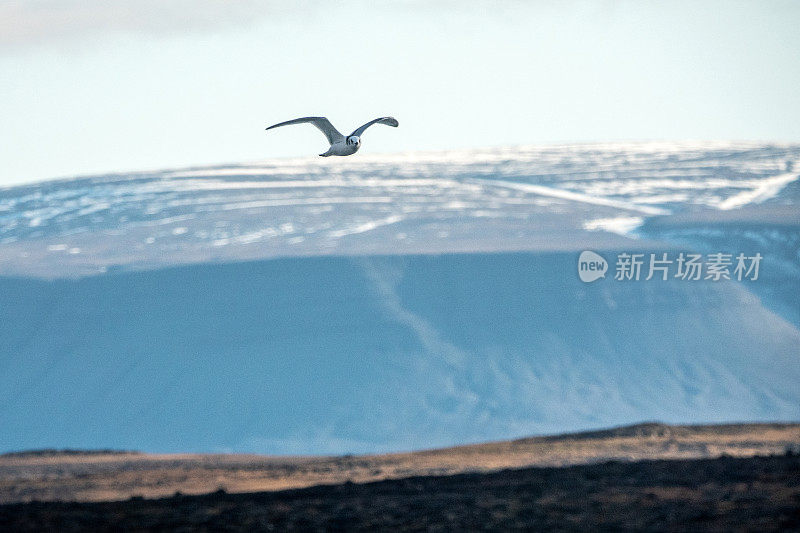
762,190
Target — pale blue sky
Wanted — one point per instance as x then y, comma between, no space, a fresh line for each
89,87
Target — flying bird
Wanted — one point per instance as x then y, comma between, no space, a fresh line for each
340,145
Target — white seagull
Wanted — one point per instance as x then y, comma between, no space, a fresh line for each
340,145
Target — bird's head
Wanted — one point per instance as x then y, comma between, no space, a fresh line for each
354,140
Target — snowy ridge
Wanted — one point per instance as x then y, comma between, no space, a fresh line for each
527,198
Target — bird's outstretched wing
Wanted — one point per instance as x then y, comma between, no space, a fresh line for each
322,123
389,121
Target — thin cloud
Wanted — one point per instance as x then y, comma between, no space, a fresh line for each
35,22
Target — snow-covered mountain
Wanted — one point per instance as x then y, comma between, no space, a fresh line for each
394,302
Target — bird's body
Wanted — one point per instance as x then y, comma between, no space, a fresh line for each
342,148
339,144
